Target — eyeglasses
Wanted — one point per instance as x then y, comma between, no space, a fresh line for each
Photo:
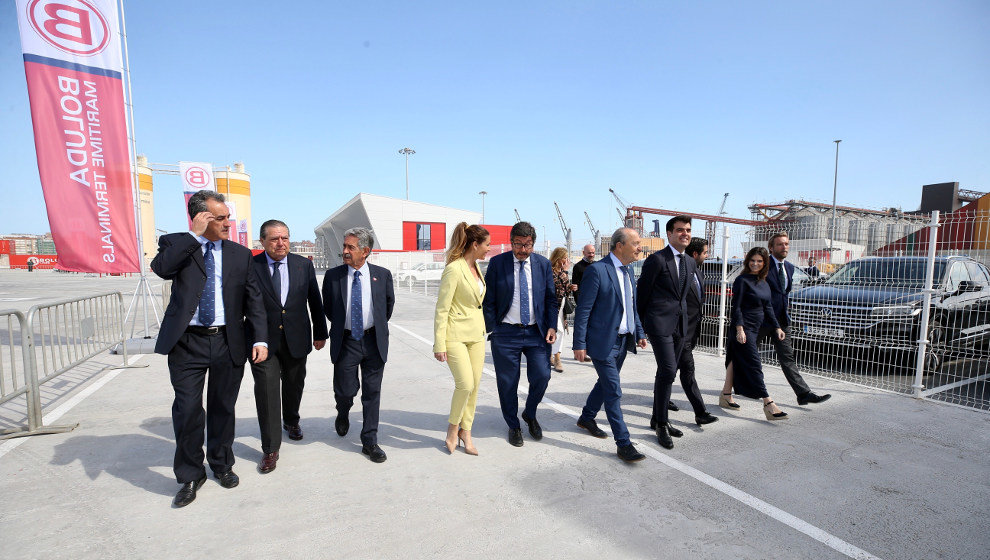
522,246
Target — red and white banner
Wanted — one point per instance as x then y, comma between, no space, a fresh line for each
73,66
196,176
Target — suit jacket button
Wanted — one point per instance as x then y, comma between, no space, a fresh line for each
479,307
280,327
283,312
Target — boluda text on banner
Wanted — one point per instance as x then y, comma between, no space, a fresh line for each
73,67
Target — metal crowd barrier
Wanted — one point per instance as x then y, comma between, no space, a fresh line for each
54,338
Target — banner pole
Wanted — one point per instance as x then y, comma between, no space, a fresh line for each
144,288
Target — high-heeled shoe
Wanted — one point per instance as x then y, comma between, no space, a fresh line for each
451,445
460,439
726,403
771,416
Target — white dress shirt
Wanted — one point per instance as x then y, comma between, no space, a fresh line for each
283,272
622,291
677,259
366,305
513,316
218,314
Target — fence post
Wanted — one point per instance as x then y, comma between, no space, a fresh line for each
723,298
31,374
919,368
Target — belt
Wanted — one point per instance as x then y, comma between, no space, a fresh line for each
208,331
517,325
347,332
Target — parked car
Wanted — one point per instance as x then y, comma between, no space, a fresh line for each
420,273
874,305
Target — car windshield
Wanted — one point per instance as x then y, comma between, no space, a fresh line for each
903,273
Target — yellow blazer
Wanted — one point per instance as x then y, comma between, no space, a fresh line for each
459,317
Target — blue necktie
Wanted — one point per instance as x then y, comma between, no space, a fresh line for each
277,282
630,318
357,313
207,302
523,294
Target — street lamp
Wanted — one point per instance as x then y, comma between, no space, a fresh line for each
835,185
407,152
483,193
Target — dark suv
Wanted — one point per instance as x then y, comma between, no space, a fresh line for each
873,305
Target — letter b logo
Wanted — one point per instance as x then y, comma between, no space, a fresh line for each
73,26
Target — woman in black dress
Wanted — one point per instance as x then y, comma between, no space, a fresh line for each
750,306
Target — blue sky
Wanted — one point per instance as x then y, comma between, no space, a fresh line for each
670,103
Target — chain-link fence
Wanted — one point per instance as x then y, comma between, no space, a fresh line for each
902,306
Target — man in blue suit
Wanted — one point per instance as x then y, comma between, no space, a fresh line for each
781,279
520,308
606,326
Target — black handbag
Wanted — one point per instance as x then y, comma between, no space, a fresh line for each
569,304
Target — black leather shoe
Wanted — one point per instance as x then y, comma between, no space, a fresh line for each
374,452
629,454
534,428
295,432
813,398
673,431
653,422
342,424
663,437
706,418
671,406
592,428
227,479
515,437
187,493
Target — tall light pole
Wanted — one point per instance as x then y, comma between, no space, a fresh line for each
483,193
835,185
407,152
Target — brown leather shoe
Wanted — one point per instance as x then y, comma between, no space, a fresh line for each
295,432
267,464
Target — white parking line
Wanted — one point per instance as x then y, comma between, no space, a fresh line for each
824,537
11,444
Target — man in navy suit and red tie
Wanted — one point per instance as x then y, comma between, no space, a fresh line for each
520,308
288,286
213,295
781,279
358,299
606,327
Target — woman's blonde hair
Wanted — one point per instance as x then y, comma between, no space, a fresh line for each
558,256
462,238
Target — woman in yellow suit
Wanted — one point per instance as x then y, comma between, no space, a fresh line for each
459,328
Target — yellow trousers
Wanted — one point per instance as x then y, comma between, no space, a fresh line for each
466,359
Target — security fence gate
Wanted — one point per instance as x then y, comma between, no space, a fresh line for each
907,311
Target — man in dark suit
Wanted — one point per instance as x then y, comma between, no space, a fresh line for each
358,299
662,304
812,270
781,279
213,293
697,249
288,283
606,327
520,308
587,257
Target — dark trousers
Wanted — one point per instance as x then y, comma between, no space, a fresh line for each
688,381
607,391
785,355
278,389
509,344
188,363
667,352
364,354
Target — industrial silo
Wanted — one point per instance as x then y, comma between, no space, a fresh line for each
146,196
235,184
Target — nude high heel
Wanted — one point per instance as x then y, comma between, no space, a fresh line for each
771,416
726,403
451,442
472,450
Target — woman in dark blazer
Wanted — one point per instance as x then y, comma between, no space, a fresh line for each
750,306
